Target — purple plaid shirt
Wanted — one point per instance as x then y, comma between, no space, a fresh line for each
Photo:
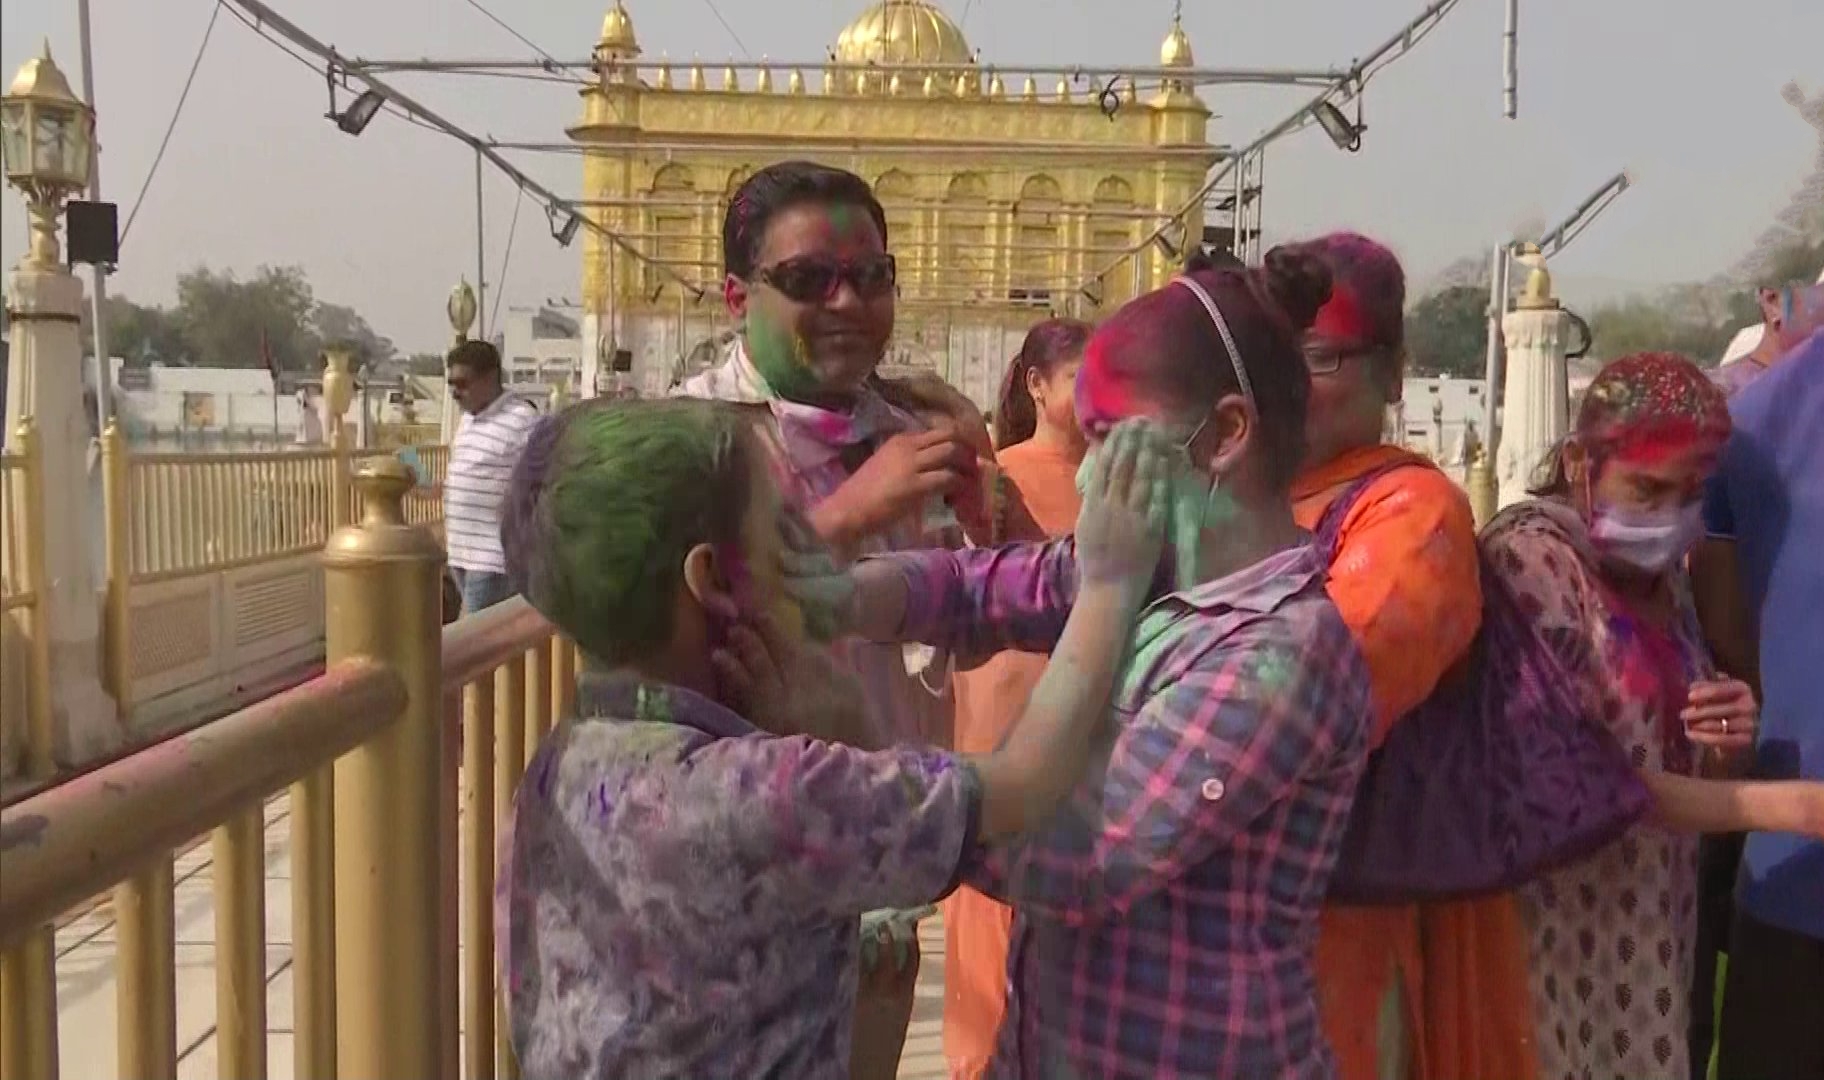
1166,917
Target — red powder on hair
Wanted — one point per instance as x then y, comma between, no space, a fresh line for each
1342,318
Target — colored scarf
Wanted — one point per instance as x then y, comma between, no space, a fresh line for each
1650,404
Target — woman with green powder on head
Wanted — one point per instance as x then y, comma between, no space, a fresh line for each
687,859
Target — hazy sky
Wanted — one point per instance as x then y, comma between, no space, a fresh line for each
1683,92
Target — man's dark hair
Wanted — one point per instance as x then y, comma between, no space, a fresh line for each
764,195
481,357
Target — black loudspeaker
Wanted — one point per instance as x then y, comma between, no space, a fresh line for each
94,233
623,360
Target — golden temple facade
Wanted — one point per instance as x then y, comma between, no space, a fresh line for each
1004,202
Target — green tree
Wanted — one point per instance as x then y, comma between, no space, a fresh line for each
228,322
1447,332
138,333
336,324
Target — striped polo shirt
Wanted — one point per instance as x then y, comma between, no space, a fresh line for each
482,456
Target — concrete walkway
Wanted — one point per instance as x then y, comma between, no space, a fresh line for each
86,987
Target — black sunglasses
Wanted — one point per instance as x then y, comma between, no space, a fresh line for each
812,279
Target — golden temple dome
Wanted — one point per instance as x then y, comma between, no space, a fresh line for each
1175,51
902,32
617,33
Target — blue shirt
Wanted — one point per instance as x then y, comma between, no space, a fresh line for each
1768,496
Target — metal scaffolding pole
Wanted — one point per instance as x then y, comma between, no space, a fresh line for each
265,16
1347,84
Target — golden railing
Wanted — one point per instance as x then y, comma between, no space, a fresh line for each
23,590
398,763
169,516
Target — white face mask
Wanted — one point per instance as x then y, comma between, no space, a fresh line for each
1647,540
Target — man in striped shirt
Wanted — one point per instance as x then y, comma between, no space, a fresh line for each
488,442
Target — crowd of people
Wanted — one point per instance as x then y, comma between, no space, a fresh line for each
1227,745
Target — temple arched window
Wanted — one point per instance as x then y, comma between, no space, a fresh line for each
898,196
675,239
966,268
1038,241
1112,228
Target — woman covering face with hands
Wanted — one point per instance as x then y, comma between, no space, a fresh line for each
688,859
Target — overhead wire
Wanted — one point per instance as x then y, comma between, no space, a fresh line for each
521,38
254,13
506,260
1349,84
739,44
170,128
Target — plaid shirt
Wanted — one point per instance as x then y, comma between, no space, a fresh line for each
1166,917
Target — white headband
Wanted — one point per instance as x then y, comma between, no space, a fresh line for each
1222,327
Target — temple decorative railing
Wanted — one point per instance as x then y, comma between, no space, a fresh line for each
211,564
25,642
398,763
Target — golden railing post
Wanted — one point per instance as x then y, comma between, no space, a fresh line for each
1483,497
478,876
147,956
509,765
40,743
313,925
28,1009
382,598
116,626
239,849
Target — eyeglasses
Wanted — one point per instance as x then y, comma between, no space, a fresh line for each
813,279
1321,360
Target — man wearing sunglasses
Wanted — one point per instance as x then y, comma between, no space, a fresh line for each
875,467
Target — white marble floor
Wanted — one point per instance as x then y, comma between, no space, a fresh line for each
86,981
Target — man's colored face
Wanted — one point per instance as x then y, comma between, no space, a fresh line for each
819,306
472,390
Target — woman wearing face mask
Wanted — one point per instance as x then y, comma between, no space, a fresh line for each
1039,450
1598,561
1164,917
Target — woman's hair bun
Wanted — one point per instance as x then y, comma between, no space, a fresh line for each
1212,259
1298,280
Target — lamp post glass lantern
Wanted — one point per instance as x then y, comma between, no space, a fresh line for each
47,140
462,310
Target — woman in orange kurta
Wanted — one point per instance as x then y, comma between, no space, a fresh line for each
1040,448
1413,992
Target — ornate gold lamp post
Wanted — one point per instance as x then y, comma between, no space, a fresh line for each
47,144
462,310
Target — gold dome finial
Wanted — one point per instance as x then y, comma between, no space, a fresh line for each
1030,91
894,86
617,39
1064,91
1537,295
997,87
1176,49
906,33
697,79
930,85
664,72
763,83
731,80
795,84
